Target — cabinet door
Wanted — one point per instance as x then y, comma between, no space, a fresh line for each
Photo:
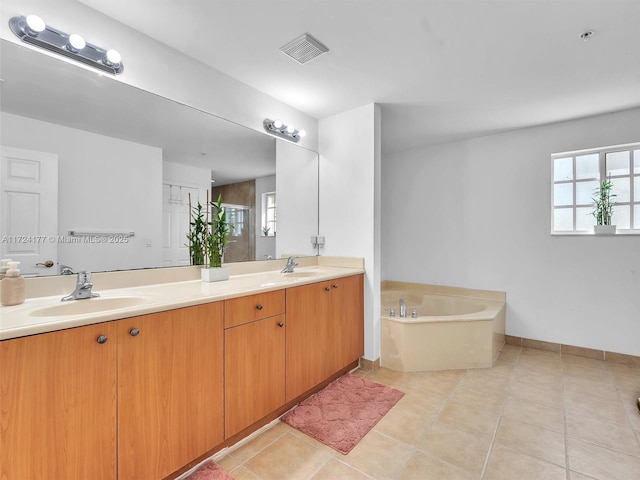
170,390
309,336
254,372
58,405
347,319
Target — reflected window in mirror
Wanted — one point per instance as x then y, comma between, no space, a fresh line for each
269,214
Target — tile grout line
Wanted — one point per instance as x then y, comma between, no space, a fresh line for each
626,410
567,461
414,449
602,420
495,432
448,398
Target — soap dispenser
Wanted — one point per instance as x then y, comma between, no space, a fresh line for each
4,266
12,291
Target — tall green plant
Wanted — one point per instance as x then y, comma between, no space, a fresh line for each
218,231
197,235
603,203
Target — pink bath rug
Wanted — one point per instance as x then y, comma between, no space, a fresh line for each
342,413
210,471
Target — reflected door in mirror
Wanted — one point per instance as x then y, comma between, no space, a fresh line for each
175,223
29,210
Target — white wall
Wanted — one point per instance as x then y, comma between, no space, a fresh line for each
265,246
157,68
476,214
349,191
187,175
296,199
128,197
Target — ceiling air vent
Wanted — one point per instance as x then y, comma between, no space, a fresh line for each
304,48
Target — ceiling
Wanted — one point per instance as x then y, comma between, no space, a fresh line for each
441,70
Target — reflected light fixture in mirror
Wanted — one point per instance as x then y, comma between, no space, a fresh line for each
279,129
34,31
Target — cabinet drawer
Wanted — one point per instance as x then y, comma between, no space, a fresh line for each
253,307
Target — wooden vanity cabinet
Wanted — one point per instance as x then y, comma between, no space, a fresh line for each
254,359
142,397
170,390
347,321
58,405
325,331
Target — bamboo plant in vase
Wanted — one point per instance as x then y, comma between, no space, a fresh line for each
603,208
207,236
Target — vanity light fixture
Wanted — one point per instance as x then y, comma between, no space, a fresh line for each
279,129
34,31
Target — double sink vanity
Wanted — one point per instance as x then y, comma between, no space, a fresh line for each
144,382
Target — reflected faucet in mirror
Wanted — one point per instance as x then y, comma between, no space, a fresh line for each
66,270
83,288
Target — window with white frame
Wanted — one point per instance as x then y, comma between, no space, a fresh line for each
577,175
269,214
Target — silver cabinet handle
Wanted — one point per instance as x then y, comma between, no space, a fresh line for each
102,339
259,307
281,324
327,289
134,332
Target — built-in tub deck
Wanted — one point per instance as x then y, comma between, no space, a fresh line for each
455,328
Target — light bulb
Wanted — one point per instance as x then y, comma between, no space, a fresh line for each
35,24
291,129
277,123
113,58
76,42
302,133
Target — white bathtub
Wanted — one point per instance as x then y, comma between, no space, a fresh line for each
455,327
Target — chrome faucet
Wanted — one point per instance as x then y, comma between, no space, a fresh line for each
83,288
291,264
403,308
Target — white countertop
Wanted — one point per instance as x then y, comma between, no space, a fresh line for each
28,319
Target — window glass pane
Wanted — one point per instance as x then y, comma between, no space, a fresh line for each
587,166
584,219
636,161
636,217
636,189
621,188
563,219
585,192
563,169
621,216
563,194
617,163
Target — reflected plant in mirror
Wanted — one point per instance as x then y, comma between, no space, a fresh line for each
197,234
217,231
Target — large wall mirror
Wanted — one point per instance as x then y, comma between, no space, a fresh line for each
97,175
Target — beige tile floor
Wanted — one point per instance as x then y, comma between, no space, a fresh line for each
535,415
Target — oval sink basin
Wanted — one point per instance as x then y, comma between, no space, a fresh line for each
279,278
300,274
90,305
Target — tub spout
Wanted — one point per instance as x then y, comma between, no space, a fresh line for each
403,308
